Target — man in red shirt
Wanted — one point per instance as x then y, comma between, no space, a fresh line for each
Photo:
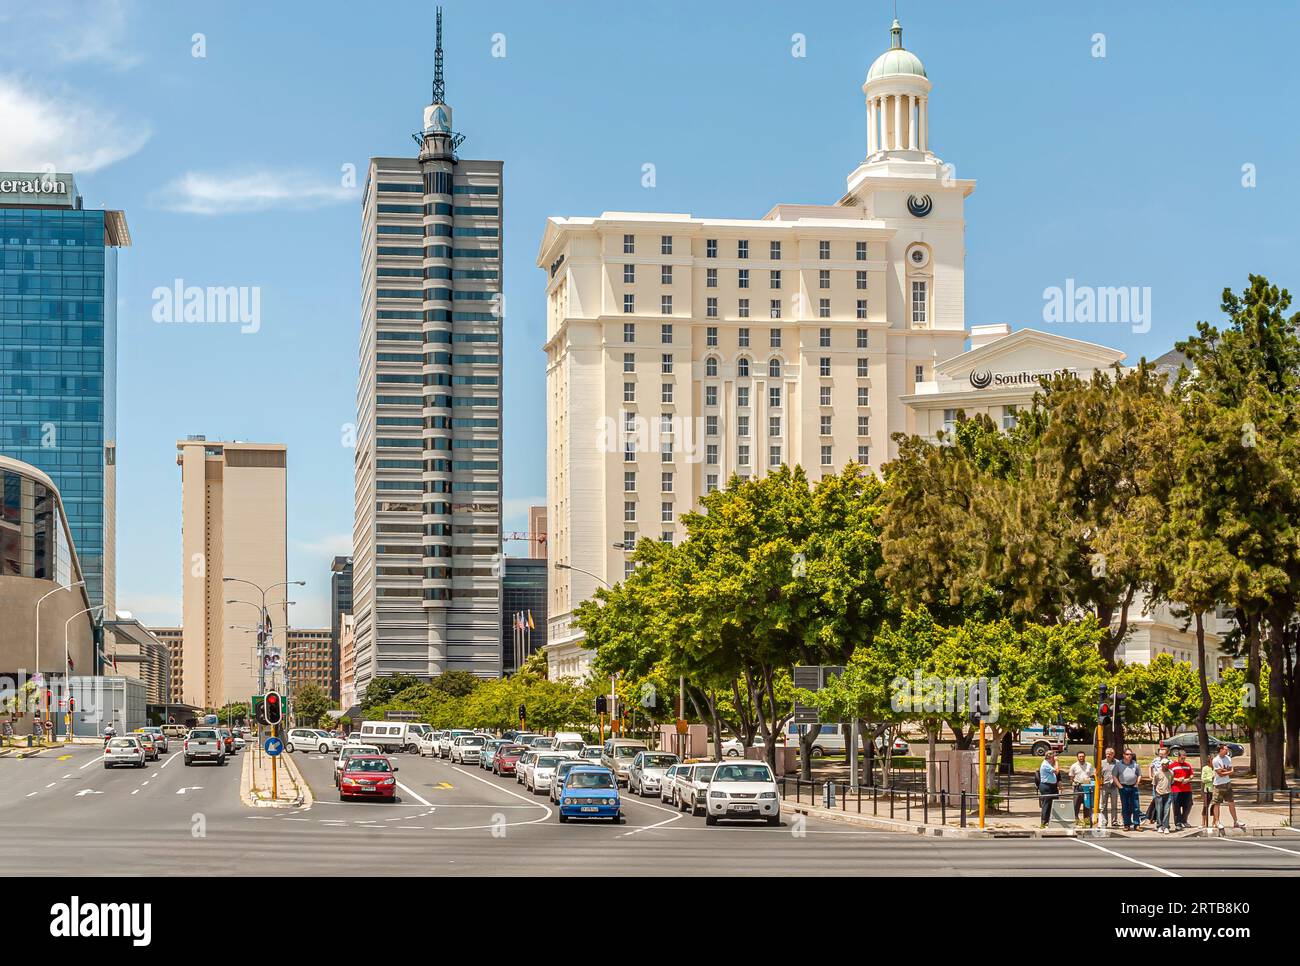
1180,770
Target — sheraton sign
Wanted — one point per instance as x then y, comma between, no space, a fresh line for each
36,187
39,186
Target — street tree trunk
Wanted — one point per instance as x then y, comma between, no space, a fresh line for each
1202,715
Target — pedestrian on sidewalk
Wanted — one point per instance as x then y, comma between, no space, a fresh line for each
1049,779
1162,793
1081,778
1180,773
1157,764
1127,774
1109,804
1207,793
1223,788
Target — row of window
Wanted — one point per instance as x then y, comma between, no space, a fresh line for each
742,248
774,277
774,306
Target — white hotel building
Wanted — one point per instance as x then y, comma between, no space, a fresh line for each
682,350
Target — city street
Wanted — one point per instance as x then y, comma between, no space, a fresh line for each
62,813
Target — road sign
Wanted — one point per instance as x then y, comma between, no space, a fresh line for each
273,746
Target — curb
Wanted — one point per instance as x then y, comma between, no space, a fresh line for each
303,800
948,831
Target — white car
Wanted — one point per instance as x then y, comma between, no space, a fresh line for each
447,737
668,784
590,752
542,770
467,748
124,751
572,747
311,739
692,785
743,789
523,764
347,751
646,773
427,744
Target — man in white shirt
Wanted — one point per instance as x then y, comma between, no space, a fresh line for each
1223,788
1109,804
1081,777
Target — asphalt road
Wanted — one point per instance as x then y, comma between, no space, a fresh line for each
64,814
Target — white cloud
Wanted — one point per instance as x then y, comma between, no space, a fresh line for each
203,193
43,129
72,32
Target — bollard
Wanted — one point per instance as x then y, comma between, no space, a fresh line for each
829,799
963,808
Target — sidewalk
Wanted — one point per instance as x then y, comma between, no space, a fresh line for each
255,785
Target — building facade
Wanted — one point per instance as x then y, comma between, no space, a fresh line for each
58,354
174,639
233,535
684,350
309,659
340,604
347,662
524,603
537,532
47,620
427,533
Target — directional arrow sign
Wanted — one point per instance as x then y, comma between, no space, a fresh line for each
273,746
88,791
188,788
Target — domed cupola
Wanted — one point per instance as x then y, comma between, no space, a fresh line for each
898,94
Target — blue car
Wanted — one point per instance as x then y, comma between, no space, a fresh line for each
590,791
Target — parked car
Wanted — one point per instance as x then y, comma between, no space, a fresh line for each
590,791
1037,739
506,760
522,765
1191,744
646,773
742,789
693,787
467,749
151,752
126,750
489,752
617,756
204,744
447,737
542,771
311,739
350,751
557,780
367,776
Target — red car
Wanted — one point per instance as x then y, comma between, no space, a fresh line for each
507,756
367,776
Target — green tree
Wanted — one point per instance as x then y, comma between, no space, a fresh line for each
310,702
458,684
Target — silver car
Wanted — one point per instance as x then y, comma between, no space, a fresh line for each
693,787
646,773
557,780
467,749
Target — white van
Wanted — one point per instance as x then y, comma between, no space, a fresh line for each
392,736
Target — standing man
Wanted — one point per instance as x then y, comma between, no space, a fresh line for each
1109,804
1049,778
1180,773
1126,775
1082,777
1155,768
1162,793
1223,788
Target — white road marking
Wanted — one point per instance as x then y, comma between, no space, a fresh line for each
667,821
87,791
414,794
94,761
30,794
1275,848
546,808
51,784
188,788
1128,858
169,760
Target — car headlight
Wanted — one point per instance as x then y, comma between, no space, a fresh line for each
767,794
386,781
717,794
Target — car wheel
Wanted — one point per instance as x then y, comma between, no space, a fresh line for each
818,751
619,820
774,820
323,749
288,746
563,818
1039,749
107,765
188,761
710,820
732,753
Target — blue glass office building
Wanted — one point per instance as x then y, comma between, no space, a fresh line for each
58,354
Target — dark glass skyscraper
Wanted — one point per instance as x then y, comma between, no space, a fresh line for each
58,354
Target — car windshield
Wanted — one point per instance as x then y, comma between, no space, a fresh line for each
626,751
357,750
742,773
591,751
475,741
368,764
570,746
704,772
121,743
322,734
589,779
549,761
203,734
658,761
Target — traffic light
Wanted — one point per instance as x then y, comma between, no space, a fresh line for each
602,704
523,713
273,709
258,708
1120,698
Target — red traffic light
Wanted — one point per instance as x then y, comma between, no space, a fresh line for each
1105,710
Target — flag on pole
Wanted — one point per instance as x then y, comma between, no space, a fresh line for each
531,625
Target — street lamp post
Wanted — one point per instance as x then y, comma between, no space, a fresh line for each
79,583
67,690
588,573
261,629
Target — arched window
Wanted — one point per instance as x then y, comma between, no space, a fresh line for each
711,366
742,367
774,368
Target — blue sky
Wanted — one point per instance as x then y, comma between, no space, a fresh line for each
1118,170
